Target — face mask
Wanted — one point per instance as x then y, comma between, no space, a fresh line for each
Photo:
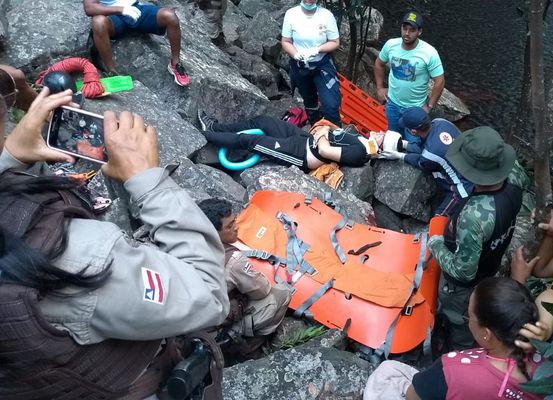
308,8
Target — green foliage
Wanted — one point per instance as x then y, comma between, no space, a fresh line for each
538,285
548,307
302,337
542,380
298,338
541,386
16,114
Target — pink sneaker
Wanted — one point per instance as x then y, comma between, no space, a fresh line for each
177,70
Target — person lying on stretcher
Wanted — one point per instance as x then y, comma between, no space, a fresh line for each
289,145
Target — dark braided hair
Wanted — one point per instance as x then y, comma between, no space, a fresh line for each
504,306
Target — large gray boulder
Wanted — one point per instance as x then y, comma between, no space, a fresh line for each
389,219
260,73
40,31
215,80
315,370
202,181
178,139
277,108
405,189
234,22
268,177
251,7
283,6
262,37
212,83
358,181
450,107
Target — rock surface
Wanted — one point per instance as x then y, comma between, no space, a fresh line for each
35,34
405,189
3,23
262,36
315,370
267,177
230,85
260,73
178,139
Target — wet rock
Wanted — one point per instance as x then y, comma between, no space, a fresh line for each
178,139
315,370
260,73
262,37
284,6
269,177
405,189
358,181
36,35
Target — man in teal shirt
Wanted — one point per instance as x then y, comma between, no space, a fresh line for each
413,62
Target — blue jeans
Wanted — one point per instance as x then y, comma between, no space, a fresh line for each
319,82
393,114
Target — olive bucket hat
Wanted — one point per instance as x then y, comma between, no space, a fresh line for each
481,156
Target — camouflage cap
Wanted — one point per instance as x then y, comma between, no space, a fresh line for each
481,156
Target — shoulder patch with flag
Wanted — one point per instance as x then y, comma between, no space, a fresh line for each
153,286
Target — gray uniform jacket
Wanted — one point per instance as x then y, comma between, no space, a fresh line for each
267,304
154,291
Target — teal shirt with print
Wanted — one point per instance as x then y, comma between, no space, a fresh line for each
410,71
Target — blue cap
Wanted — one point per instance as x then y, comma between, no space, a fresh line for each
414,118
412,18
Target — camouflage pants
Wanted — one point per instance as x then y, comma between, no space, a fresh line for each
453,302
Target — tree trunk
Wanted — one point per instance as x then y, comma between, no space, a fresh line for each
520,129
364,25
542,128
353,36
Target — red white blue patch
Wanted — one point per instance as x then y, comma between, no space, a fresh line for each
154,291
